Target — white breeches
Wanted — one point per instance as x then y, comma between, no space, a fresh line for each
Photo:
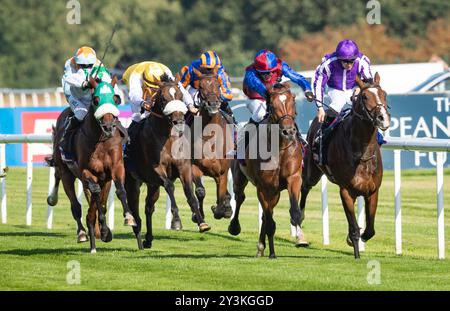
339,98
258,109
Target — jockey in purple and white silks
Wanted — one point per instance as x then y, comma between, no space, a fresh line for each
338,70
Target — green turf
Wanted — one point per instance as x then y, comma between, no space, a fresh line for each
34,258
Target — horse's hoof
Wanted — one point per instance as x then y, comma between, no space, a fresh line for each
228,212
203,227
107,236
234,228
272,256
129,220
301,243
93,251
147,244
259,253
82,237
52,201
176,225
260,250
217,214
349,241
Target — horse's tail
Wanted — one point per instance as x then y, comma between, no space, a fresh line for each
49,160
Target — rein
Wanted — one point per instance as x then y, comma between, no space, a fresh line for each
367,114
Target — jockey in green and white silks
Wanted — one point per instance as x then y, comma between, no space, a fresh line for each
75,82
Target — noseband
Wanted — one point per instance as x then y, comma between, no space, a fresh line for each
204,97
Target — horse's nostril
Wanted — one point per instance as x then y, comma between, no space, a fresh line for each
381,118
285,132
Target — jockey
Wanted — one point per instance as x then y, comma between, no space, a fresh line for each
266,70
338,70
77,89
142,76
207,63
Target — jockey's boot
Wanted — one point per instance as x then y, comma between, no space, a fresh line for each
225,107
380,139
300,137
131,137
65,144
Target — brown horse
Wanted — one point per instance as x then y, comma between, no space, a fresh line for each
354,158
216,139
283,171
98,150
155,164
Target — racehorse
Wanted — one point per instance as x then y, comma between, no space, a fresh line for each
99,160
283,171
154,161
354,158
216,139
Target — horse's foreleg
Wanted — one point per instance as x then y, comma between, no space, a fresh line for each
170,189
371,209
150,200
239,184
186,182
119,181
52,199
348,202
268,227
297,215
90,220
132,188
223,207
106,234
69,188
199,191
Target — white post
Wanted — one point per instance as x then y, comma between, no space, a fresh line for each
325,217
29,210
231,192
111,206
51,185
168,213
3,182
80,192
440,203
361,221
398,201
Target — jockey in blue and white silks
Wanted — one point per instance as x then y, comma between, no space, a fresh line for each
338,70
266,70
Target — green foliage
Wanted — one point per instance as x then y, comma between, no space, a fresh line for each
35,38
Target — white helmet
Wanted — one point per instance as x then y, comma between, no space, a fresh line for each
85,56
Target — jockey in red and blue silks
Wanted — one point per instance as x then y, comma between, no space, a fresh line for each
266,70
207,63
338,70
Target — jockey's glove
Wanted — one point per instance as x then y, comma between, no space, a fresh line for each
309,96
86,85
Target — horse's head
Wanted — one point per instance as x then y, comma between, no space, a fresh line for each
105,105
169,101
281,108
369,103
209,91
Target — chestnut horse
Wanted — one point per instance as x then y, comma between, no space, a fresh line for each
98,149
152,154
354,158
283,171
215,139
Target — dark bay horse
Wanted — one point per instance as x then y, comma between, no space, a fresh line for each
152,154
283,171
214,141
354,158
99,160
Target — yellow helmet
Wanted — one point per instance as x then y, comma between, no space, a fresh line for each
85,56
210,59
152,74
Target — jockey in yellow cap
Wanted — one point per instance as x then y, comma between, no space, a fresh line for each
75,83
142,76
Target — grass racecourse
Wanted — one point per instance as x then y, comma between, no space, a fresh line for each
34,258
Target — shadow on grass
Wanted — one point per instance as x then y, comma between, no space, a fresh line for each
62,251
196,236
32,233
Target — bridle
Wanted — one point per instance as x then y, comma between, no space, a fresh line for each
366,114
204,97
270,110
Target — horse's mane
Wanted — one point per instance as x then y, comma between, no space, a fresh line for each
165,78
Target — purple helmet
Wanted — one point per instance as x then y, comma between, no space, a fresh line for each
347,49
